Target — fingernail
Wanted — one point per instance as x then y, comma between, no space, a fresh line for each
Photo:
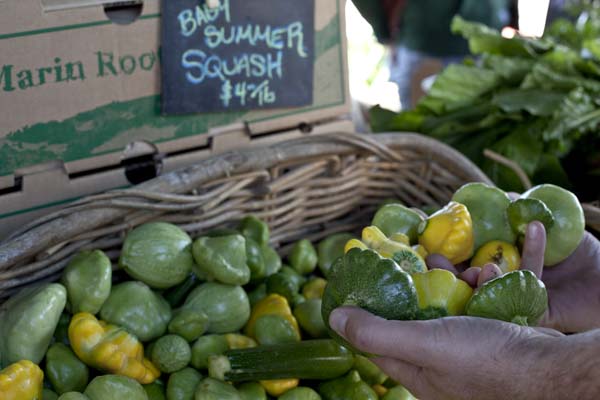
337,321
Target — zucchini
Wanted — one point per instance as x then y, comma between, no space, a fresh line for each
311,359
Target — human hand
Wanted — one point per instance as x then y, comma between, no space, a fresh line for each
573,285
456,357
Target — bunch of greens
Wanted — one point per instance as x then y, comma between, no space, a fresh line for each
534,101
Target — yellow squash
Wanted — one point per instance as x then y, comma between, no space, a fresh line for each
449,232
110,349
503,254
22,380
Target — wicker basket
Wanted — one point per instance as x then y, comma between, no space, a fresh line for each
306,188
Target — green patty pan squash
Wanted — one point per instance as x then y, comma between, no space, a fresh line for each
303,257
396,218
158,254
518,297
569,223
212,389
189,324
135,307
64,370
349,387
115,387
88,279
227,307
330,249
182,384
300,393
440,294
364,279
255,229
28,321
222,258
487,206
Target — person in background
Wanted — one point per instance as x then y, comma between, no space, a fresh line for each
476,358
416,30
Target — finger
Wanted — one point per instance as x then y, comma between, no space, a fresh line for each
549,331
407,374
410,341
488,271
513,195
441,262
533,248
470,275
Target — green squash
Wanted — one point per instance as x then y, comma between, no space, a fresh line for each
64,370
88,279
255,229
300,393
398,393
274,329
349,387
115,387
158,254
518,297
182,384
569,223
227,307
487,206
155,390
222,258
72,396
252,391
287,283
523,211
368,370
206,346
48,394
189,324
396,218
308,315
330,249
303,257
135,307
171,353
364,279
255,260
272,260
28,321
212,389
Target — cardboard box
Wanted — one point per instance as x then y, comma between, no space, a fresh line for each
79,94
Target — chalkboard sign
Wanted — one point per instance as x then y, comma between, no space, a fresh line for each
239,55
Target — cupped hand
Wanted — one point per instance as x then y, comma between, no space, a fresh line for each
573,285
455,357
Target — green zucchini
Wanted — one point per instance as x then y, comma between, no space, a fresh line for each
311,359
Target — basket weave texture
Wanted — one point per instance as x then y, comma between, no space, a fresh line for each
304,188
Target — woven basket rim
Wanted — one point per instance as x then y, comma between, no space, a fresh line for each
52,231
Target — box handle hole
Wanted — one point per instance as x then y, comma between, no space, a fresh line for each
124,13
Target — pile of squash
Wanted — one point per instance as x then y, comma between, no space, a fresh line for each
221,317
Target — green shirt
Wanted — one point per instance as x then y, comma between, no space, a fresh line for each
425,24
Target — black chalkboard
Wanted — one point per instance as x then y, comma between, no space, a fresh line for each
242,54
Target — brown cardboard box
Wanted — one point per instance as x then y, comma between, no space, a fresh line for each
80,93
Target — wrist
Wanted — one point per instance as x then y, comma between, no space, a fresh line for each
572,369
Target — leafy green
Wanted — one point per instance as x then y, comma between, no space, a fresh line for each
533,101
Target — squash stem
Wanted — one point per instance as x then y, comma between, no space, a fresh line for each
520,320
218,366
